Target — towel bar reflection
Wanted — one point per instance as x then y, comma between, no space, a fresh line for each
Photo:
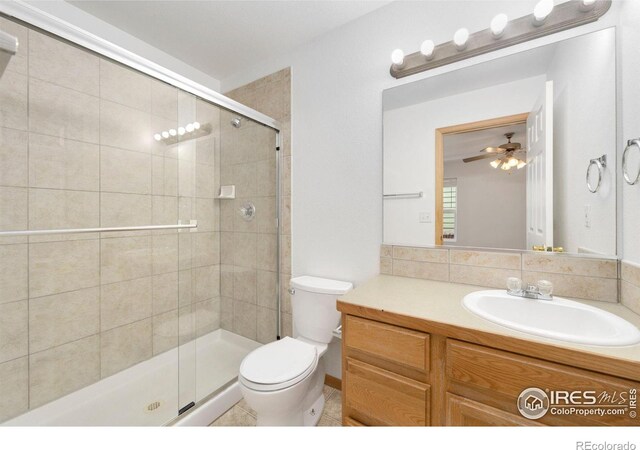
193,224
631,143
408,195
600,164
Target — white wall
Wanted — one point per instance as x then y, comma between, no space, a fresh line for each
491,205
97,27
584,83
630,97
409,150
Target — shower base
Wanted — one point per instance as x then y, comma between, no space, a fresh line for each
151,392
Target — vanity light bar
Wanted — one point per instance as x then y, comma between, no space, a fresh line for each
189,131
546,19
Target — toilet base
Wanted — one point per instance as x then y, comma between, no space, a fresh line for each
313,414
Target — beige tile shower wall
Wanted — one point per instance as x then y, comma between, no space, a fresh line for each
76,150
630,286
249,289
585,278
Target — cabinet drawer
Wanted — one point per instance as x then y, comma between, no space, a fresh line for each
462,412
349,422
374,396
395,344
497,378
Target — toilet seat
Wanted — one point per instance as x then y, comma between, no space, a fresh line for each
278,365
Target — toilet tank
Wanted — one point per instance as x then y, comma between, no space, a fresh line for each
313,304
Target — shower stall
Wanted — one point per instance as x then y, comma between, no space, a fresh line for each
139,248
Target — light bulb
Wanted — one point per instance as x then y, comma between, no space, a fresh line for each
586,5
157,136
505,166
427,48
495,163
460,38
189,128
498,24
521,164
173,132
181,131
397,57
542,11
513,162
196,125
165,134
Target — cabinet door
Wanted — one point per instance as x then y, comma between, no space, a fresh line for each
374,396
462,412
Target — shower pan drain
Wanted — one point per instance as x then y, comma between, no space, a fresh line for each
153,406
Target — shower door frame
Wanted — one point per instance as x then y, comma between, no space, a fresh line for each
31,15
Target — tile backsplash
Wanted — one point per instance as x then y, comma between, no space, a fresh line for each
630,286
576,277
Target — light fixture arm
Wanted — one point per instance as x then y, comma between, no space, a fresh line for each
564,16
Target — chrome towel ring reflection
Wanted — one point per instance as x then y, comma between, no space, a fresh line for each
631,143
600,164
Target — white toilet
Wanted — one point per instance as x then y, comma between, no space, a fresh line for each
282,381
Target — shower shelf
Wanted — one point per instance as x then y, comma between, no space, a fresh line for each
193,224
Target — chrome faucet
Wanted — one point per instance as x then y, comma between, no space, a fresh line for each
541,291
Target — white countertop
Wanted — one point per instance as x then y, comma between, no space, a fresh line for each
441,302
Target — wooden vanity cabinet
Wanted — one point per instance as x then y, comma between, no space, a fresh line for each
398,376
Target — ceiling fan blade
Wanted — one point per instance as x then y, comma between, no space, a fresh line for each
493,150
476,158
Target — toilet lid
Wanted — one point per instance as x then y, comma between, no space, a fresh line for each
278,362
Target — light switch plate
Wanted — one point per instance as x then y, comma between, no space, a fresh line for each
424,217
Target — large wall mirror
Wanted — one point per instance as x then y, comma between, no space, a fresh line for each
517,152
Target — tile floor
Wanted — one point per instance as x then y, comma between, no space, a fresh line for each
240,415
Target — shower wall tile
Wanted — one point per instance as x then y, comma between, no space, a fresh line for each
125,346
62,112
13,204
14,389
14,272
55,209
245,319
185,287
63,64
14,330
165,331
124,303
266,258
245,282
205,248
125,127
13,158
124,171
164,176
56,267
206,282
207,315
64,369
205,211
164,253
226,280
57,163
14,101
267,290
205,182
266,222
125,210
122,85
165,292
186,324
165,212
164,100
58,319
245,245
125,258
266,325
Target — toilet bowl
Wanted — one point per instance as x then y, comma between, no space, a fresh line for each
282,381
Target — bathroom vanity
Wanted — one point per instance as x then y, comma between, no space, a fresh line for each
414,356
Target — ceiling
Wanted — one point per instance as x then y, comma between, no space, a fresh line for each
222,38
463,145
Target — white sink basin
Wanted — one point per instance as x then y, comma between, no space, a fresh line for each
559,318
